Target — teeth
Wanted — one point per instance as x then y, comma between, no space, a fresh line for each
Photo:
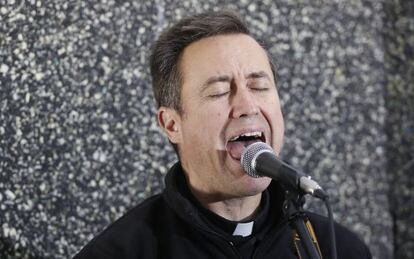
248,134
251,134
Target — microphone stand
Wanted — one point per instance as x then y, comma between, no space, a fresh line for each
293,209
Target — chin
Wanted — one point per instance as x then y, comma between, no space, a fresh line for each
254,186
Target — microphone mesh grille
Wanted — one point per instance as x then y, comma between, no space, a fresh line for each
249,156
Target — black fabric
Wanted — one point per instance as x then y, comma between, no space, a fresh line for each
169,225
244,245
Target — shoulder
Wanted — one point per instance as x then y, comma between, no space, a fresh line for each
131,234
348,244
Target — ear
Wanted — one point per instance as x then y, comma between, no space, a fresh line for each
170,122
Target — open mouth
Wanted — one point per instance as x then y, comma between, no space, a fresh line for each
236,145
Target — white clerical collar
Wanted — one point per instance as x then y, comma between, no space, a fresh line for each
243,229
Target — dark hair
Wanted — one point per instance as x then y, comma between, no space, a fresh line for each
167,50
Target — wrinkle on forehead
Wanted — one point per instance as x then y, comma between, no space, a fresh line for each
233,55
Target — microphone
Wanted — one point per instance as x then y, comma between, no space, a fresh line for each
258,159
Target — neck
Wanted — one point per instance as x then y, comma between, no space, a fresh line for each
233,209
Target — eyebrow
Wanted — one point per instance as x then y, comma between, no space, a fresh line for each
258,74
225,78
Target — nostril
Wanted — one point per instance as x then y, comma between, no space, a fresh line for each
245,111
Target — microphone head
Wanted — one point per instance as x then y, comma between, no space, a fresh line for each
249,155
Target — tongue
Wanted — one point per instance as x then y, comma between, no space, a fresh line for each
236,148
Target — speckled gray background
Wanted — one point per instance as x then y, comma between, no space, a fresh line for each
79,144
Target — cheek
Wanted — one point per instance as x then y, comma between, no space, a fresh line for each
278,127
274,117
206,121
202,127
213,113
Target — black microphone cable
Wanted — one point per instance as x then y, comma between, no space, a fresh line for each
331,228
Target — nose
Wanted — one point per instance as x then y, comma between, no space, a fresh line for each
244,103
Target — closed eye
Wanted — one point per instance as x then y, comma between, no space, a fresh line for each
218,95
260,89
259,84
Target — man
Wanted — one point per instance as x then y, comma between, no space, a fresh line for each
215,88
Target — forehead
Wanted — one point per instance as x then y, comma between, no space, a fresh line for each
223,55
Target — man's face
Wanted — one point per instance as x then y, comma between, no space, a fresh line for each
229,100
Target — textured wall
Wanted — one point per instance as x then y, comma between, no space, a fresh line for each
399,96
79,144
